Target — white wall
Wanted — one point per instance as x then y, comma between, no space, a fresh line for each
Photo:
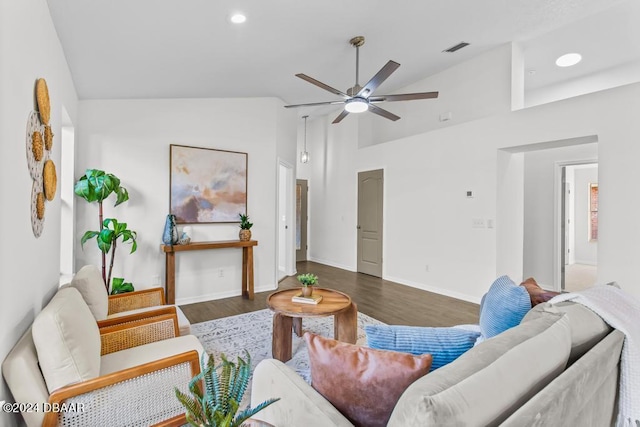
613,77
131,138
427,215
29,49
586,251
541,208
476,88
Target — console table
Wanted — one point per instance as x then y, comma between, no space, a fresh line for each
247,263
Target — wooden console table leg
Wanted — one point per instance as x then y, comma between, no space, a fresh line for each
250,270
345,325
281,344
245,288
170,277
297,326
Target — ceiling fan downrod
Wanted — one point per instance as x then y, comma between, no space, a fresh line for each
356,42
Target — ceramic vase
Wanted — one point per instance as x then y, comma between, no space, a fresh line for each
307,291
245,235
170,234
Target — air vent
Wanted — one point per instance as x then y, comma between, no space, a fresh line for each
456,47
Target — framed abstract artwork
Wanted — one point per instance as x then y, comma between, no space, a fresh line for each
207,185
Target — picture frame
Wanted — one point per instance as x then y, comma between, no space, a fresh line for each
207,185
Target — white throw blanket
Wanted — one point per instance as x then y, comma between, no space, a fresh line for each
621,311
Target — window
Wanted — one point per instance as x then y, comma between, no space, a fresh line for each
593,212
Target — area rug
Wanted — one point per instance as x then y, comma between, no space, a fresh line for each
253,332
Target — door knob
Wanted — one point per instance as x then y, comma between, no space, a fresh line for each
358,227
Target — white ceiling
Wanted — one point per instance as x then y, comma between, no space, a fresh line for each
188,48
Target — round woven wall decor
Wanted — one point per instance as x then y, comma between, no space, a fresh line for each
42,96
37,208
35,166
49,180
48,138
37,146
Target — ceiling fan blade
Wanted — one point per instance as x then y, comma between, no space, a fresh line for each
322,85
404,97
378,79
341,116
384,113
314,104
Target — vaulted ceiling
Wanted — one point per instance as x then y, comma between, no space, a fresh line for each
189,48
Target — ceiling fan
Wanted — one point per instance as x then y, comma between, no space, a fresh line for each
359,98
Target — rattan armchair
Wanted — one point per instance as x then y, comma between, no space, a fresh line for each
88,280
121,373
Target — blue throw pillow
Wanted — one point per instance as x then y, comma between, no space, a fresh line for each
503,307
444,344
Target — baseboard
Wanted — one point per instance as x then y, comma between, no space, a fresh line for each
220,295
594,264
332,264
434,289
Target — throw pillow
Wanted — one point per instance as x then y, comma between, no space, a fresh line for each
364,384
537,295
88,281
444,344
503,307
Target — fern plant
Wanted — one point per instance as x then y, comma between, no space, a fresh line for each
308,279
224,385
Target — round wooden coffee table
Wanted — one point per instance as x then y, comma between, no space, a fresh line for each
289,314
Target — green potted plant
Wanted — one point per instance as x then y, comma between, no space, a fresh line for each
308,281
224,385
96,186
245,228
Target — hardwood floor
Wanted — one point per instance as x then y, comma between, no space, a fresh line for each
386,301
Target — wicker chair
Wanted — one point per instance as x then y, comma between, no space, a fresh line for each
114,375
88,280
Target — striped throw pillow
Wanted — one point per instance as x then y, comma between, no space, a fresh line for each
503,307
444,344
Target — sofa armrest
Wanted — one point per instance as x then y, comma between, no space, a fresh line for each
133,333
299,404
145,393
137,299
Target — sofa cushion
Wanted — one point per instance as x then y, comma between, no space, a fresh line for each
489,382
88,281
444,344
67,340
362,383
587,328
503,307
537,295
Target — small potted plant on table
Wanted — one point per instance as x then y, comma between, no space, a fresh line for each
308,281
245,228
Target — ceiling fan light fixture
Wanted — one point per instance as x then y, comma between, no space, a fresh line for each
356,105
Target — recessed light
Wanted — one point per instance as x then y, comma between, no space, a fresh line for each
238,18
568,60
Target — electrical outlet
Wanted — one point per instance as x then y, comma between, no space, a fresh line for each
220,272
155,280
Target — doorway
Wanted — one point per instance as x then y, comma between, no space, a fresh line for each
302,191
370,209
579,226
285,215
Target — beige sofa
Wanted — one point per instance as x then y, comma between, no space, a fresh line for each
559,367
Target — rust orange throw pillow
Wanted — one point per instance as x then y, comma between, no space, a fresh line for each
362,383
536,293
